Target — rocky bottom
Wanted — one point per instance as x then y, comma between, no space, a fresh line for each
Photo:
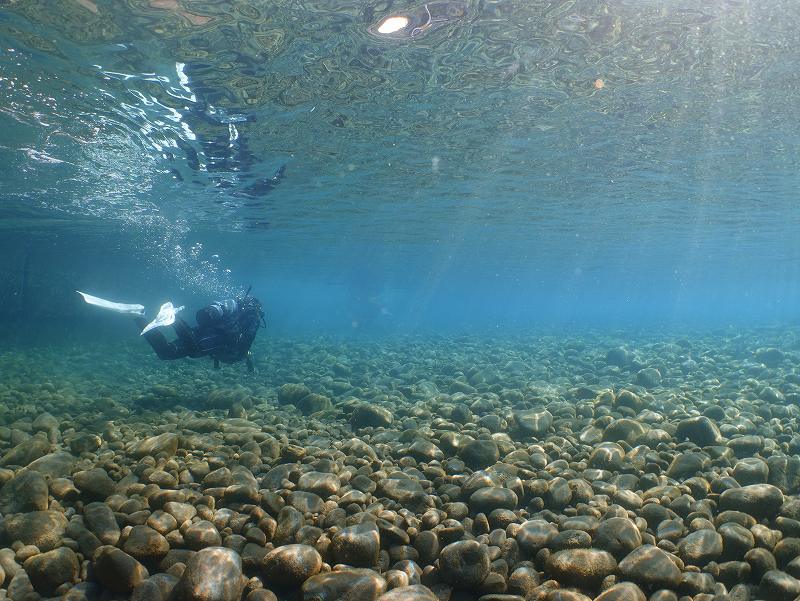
535,468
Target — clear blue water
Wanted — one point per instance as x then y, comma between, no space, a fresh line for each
533,164
538,260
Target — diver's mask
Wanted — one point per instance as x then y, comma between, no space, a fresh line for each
216,312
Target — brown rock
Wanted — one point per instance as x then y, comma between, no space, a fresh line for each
116,570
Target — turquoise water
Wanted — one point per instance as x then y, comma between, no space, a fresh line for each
525,165
530,278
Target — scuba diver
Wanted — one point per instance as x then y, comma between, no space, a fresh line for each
225,329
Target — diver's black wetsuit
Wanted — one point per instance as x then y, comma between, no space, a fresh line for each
225,331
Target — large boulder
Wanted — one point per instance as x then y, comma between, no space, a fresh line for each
535,535
27,451
166,443
54,465
212,574
464,564
116,570
368,415
100,521
533,422
650,568
95,484
585,568
45,529
700,430
700,547
27,491
357,545
48,571
358,584
290,394
290,566
479,454
758,500
145,544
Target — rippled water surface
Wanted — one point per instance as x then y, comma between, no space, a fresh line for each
523,161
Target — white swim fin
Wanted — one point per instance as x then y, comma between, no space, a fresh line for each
112,306
165,317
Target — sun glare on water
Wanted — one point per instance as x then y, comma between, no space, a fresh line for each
393,24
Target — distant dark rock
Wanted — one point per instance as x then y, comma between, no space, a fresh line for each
626,398
535,422
48,571
771,395
622,591
700,430
357,545
202,534
290,394
779,586
479,454
464,564
27,491
414,592
700,547
625,429
101,522
54,465
751,470
619,357
607,456
367,415
619,536
27,451
94,484
290,566
116,570
581,567
758,500
361,584
687,465
166,443
649,377
312,403
485,500
650,567
44,529
145,544
215,573
771,357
